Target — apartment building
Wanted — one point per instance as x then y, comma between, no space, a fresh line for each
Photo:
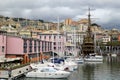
56,41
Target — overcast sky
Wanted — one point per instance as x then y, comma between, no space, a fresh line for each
105,12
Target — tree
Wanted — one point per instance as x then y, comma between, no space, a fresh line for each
113,43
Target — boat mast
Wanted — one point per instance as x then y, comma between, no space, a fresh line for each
58,35
74,42
89,23
88,42
52,46
95,42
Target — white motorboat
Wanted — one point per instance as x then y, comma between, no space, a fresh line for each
71,65
95,58
62,64
78,60
113,55
37,65
45,64
48,72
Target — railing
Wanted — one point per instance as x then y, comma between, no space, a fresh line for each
14,67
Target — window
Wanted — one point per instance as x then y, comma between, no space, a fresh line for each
45,46
59,48
25,42
54,43
51,46
40,37
30,43
2,48
54,48
42,46
59,43
35,42
39,46
59,37
30,46
35,49
54,37
48,46
50,37
44,37
25,46
25,50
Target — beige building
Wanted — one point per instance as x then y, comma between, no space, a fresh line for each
68,21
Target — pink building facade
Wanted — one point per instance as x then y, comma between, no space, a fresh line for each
56,39
31,49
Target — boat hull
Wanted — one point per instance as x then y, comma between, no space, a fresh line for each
47,75
94,60
47,72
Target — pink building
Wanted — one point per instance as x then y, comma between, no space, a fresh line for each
29,49
56,40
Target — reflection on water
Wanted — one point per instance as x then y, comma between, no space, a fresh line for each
39,79
85,71
108,70
42,79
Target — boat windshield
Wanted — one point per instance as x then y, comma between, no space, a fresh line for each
48,70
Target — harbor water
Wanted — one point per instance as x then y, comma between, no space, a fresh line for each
108,70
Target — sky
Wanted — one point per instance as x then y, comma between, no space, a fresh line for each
103,12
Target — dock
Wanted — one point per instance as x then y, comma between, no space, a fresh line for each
14,73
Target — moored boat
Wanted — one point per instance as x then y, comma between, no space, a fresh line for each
48,72
95,58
